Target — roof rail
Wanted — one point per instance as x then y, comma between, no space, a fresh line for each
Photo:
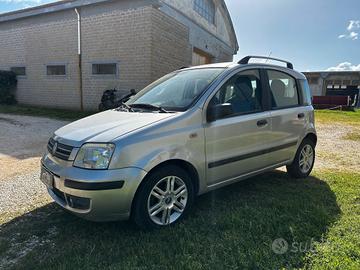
246,60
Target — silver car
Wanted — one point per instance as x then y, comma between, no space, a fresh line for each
190,132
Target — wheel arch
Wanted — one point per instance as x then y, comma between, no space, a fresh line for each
187,166
311,136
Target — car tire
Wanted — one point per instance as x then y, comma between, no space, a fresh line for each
304,160
163,199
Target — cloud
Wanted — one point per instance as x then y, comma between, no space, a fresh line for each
346,66
352,31
353,25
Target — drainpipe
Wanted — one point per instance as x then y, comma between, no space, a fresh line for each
79,59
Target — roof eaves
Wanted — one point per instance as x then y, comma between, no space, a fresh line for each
46,8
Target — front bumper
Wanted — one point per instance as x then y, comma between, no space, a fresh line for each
112,203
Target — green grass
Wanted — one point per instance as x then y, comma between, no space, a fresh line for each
231,228
44,112
344,117
353,136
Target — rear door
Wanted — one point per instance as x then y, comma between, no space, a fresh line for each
235,143
287,115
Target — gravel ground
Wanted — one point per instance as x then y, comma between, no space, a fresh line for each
23,139
334,151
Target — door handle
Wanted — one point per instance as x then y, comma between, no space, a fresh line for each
301,115
262,123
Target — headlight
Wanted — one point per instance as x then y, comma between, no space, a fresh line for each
94,156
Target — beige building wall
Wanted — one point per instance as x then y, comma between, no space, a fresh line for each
170,47
145,42
34,42
220,28
115,35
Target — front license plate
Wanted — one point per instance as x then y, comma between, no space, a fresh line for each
47,178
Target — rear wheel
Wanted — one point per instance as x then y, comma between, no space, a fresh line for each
164,198
304,160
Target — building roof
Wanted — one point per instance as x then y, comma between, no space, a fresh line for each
333,72
49,8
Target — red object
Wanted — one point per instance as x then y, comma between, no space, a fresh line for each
332,100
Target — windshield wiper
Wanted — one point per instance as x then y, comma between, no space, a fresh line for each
124,105
121,102
148,107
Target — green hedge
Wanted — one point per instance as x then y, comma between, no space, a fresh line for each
8,84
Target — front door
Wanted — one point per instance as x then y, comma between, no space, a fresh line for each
235,143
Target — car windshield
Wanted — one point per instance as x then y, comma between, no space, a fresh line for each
176,91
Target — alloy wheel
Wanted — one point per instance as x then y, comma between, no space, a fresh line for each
306,159
167,200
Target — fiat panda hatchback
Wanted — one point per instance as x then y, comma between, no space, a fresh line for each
192,131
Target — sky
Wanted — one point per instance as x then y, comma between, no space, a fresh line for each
313,34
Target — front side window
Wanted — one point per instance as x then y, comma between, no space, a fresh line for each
19,71
178,90
284,93
243,91
56,70
104,69
206,8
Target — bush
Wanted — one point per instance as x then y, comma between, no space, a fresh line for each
8,84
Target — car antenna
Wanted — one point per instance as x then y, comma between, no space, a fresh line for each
267,59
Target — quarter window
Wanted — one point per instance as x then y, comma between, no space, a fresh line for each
19,71
206,8
284,92
55,70
104,69
243,91
306,93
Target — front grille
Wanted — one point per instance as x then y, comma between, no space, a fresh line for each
62,151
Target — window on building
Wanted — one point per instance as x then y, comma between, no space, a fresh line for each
329,82
104,69
19,71
283,90
337,82
314,80
206,8
346,82
56,70
356,82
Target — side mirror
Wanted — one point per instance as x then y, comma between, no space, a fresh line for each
219,111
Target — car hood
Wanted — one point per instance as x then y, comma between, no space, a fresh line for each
106,126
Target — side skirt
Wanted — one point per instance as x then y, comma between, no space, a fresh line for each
245,176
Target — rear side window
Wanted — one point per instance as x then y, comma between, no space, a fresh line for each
284,92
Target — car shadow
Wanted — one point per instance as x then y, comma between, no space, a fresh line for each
266,222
